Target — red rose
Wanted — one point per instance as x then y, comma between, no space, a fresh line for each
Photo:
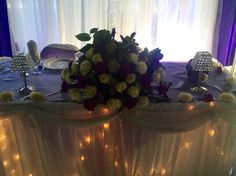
125,69
131,103
146,81
90,104
101,67
81,82
64,86
208,98
162,89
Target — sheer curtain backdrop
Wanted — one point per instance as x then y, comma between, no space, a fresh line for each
178,27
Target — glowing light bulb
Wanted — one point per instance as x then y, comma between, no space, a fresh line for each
3,147
5,163
186,144
30,174
190,107
13,171
126,164
163,171
116,163
106,125
105,110
17,157
2,137
212,103
80,144
82,158
90,112
88,139
211,132
106,146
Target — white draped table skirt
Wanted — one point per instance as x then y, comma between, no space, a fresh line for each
63,139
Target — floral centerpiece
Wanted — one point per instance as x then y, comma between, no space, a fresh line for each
116,74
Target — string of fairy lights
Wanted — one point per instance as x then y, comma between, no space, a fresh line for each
10,159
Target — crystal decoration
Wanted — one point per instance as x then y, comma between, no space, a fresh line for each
202,62
22,63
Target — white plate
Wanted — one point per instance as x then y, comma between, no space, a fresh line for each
56,63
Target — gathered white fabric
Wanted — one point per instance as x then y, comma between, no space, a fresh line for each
179,27
63,139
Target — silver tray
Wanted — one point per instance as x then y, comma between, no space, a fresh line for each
56,64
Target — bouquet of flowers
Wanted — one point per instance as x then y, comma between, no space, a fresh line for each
116,74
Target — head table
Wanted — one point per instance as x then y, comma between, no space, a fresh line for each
61,138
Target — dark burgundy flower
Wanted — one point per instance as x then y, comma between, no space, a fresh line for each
125,68
73,77
81,82
99,49
90,104
162,89
145,81
64,86
131,103
101,67
208,98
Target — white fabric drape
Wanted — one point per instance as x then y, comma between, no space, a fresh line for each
41,139
178,27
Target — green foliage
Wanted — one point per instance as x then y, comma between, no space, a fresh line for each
102,37
83,37
93,30
86,48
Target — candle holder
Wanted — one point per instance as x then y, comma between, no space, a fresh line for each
23,64
202,62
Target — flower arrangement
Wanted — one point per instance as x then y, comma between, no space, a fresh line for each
117,74
227,97
37,96
6,96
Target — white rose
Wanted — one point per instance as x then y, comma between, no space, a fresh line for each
104,78
97,58
85,67
162,72
143,101
114,103
75,94
113,66
89,53
90,91
121,86
230,81
133,91
68,79
130,78
141,67
74,67
133,58
185,97
156,76
64,73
